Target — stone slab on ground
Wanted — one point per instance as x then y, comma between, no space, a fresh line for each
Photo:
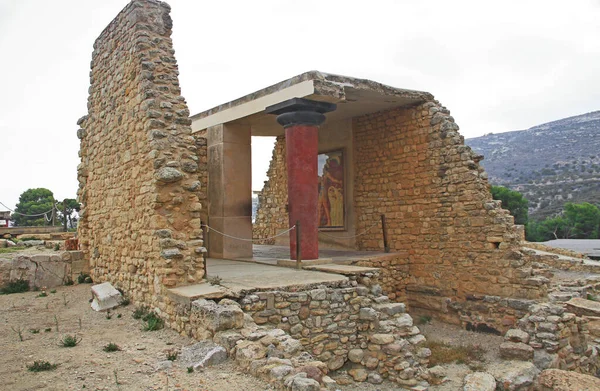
346,270
202,354
559,380
580,307
187,294
106,297
479,381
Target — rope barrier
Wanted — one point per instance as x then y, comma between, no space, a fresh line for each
351,236
246,239
23,214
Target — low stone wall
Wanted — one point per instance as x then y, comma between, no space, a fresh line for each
393,273
343,325
43,270
558,339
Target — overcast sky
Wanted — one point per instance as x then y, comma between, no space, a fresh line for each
498,66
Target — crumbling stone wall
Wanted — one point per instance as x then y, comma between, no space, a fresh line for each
458,244
138,185
272,216
412,165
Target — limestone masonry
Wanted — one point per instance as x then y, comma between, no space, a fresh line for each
138,177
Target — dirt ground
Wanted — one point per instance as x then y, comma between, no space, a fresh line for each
86,366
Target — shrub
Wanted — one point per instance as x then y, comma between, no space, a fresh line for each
39,366
111,347
84,278
140,312
424,319
172,356
69,341
69,281
17,286
153,322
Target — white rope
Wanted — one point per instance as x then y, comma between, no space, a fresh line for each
23,214
245,239
351,236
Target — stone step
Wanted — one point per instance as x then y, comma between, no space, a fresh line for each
580,307
562,297
187,294
346,270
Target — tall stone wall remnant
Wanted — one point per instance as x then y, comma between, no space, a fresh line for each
138,178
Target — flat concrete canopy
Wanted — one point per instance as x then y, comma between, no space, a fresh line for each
354,97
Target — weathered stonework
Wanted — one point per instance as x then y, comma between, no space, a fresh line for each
453,241
138,177
272,216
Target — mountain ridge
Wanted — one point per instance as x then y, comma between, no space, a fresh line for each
551,163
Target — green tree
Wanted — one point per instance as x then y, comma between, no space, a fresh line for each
576,221
66,208
32,205
514,202
583,220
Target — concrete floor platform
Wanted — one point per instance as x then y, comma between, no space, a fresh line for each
270,255
243,277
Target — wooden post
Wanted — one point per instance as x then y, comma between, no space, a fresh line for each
53,212
386,248
65,213
205,245
298,245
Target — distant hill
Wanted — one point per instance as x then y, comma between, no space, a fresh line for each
550,164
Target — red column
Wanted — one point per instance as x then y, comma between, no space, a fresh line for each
301,119
301,142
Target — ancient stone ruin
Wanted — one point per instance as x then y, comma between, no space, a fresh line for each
152,178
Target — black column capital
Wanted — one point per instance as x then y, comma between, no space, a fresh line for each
300,111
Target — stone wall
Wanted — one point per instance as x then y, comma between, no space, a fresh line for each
272,216
352,325
452,239
138,181
42,270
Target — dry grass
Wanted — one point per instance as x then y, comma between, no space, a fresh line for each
443,353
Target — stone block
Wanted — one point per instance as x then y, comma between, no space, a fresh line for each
580,307
516,351
390,308
202,354
479,381
516,335
105,297
215,317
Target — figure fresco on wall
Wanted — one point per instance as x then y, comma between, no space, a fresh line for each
331,190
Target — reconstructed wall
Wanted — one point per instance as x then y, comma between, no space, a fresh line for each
138,181
272,216
411,164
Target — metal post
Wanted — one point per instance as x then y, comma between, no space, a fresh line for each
298,250
386,248
204,243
